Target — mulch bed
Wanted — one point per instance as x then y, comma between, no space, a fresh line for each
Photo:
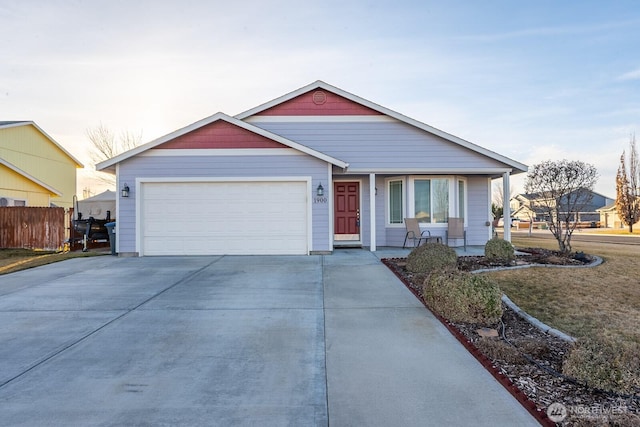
530,358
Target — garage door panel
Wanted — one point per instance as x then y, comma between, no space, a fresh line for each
212,218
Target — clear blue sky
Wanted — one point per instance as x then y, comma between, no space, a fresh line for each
531,80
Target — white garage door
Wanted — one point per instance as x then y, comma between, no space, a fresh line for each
216,218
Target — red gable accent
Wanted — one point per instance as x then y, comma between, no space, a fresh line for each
319,102
221,134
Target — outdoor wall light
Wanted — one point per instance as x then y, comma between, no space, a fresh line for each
125,190
320,190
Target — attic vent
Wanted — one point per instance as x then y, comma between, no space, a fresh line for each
319,97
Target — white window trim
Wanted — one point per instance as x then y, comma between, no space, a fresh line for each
411,197
408,202
387,184
466,198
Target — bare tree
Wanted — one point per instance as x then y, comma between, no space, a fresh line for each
105,145
627,202
563,189
497,198
497,195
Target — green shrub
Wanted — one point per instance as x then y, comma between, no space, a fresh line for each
463,297
430,257
605,363
499,250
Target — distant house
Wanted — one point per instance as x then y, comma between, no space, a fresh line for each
34,169
609,217
531,207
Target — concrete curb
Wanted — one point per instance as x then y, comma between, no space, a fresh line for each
535,322
596,262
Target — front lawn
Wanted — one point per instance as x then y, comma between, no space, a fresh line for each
583,302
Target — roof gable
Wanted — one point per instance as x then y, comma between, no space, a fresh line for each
12,124
109,165
220,135
318,102
321,86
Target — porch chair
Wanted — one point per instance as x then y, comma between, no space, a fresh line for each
455,230
414,233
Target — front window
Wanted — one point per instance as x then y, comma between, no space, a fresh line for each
396,204
431,197
422,196
431,200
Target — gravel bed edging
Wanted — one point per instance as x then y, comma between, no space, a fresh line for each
535,322
526,316
596,262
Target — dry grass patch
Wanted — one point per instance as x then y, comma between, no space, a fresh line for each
618,231
583,302
597,305
12,260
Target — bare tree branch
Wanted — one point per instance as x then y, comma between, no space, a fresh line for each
105,145
561,190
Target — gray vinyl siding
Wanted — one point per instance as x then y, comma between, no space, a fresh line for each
216,167
378,145
479,190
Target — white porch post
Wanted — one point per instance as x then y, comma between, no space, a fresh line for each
506,209
372,211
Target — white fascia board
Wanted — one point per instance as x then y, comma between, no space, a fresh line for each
108,164
320,119
221,152
517,166
430,171
222,179
30,177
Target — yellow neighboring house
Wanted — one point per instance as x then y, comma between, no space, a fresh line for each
34,169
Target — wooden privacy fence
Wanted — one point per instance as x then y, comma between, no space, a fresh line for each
33,228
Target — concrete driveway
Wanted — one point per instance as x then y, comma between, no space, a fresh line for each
270,341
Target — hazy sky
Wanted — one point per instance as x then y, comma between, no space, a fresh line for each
531,80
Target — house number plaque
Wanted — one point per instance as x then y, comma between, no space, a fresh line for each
319,200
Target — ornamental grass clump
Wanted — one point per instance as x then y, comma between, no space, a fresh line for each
463,297
606,363
431,257
499,250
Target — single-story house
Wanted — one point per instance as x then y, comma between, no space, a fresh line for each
35,170
312,170
532,206
609,217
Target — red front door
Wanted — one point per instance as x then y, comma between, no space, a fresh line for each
347,211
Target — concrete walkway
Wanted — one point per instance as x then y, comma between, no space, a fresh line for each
271,341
